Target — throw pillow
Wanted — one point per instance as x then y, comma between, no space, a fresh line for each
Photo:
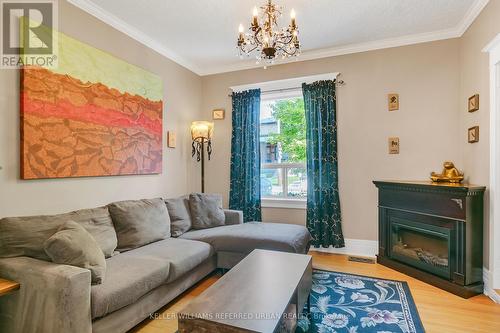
206,210
73,245
98,223
139,222
180,218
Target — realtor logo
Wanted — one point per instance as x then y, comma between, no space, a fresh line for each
28,33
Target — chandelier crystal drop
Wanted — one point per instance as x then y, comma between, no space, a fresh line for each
266,38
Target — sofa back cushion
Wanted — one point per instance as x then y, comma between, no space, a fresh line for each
25,236
206,210
180,216
139,222
75,246
98,223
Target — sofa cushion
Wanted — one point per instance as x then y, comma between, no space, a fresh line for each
139,222
129,276
73,245
179,212
244,238
132,274
206,210
25,236
183,254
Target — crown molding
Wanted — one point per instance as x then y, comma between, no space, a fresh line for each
342,50
473,12
132,32
454,32
141,37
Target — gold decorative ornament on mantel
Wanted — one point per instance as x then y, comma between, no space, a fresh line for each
450,174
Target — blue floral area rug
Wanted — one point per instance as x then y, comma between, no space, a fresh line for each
346,303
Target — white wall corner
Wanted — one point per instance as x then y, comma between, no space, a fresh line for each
488,288
355,247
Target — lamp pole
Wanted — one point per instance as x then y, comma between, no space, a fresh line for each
203,165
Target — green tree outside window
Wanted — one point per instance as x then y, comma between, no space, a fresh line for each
292,137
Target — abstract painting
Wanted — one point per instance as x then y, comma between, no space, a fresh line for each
92,115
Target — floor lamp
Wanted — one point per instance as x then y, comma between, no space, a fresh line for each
201,134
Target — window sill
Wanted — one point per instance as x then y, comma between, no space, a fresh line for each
284,203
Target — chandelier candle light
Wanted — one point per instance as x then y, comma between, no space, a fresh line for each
266,38
201,133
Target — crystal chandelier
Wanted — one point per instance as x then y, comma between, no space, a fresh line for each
266,38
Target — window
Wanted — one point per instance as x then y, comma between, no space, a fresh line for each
283,148
283,140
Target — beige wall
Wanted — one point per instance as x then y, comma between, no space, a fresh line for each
284,215
434,81
474,69
427,78
182,99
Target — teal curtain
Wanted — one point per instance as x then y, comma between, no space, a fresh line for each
323,203
244,192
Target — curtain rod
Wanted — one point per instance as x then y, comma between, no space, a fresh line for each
338,83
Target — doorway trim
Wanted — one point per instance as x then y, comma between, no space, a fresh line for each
493,48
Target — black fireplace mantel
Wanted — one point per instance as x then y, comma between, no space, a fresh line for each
433,232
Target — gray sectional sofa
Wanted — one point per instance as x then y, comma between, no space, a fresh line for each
145,269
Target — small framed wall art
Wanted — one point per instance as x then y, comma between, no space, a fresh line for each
473,135
394,145
474,103
218,114
393,101
171,139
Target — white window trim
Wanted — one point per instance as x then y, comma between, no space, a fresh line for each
284,203
276,95
293,88
285,84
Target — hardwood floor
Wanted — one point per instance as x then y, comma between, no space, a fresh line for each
441,312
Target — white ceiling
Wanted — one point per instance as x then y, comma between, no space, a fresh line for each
201,34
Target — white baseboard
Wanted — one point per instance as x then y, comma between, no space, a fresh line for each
488,289
355,247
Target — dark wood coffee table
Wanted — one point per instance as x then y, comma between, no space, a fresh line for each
263,293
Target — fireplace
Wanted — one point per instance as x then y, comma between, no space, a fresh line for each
423,245
426,248
433,232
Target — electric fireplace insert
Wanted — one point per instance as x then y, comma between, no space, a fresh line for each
433,232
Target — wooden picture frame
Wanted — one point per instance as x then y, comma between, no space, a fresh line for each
393,102
473,134
218,114
473,104
393,145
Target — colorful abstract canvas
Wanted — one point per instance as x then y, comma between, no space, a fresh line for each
92,115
